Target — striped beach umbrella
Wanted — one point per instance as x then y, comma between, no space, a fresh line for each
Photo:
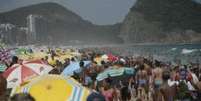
115,72
19,73
5,55
54,88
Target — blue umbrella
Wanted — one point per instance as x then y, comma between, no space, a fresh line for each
74,67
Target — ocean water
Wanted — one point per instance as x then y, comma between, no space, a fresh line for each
184,52
173,52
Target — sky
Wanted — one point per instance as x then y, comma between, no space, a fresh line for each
101,12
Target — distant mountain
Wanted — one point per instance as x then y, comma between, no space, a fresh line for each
163,21
149,21
62,25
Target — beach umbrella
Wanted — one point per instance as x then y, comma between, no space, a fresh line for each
51,61
53,88
2,67
62,58
39,55
25,57
112,57
115,72
5,55
66,56
74,66
19,73
20,51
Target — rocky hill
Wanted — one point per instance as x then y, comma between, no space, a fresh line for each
149,21
62,25
164,21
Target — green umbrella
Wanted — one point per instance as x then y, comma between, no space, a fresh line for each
115,72
2,67
21,51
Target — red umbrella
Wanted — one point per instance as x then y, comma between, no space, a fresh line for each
112,57
19,73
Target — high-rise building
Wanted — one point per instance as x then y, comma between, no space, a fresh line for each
31,33
7,32
41,29
37,29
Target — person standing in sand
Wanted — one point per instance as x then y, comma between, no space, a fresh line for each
142,79
157,82
168,92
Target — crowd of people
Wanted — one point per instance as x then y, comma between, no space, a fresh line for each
153,80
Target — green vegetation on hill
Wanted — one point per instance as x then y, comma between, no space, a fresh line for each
166,21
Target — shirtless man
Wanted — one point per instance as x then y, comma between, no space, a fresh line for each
157,82
157,76
142,78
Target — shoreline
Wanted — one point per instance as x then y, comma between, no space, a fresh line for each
108,45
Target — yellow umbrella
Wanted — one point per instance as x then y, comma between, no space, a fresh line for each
54,88
59,58
39,55
34,56
51,61
59,52
62,58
